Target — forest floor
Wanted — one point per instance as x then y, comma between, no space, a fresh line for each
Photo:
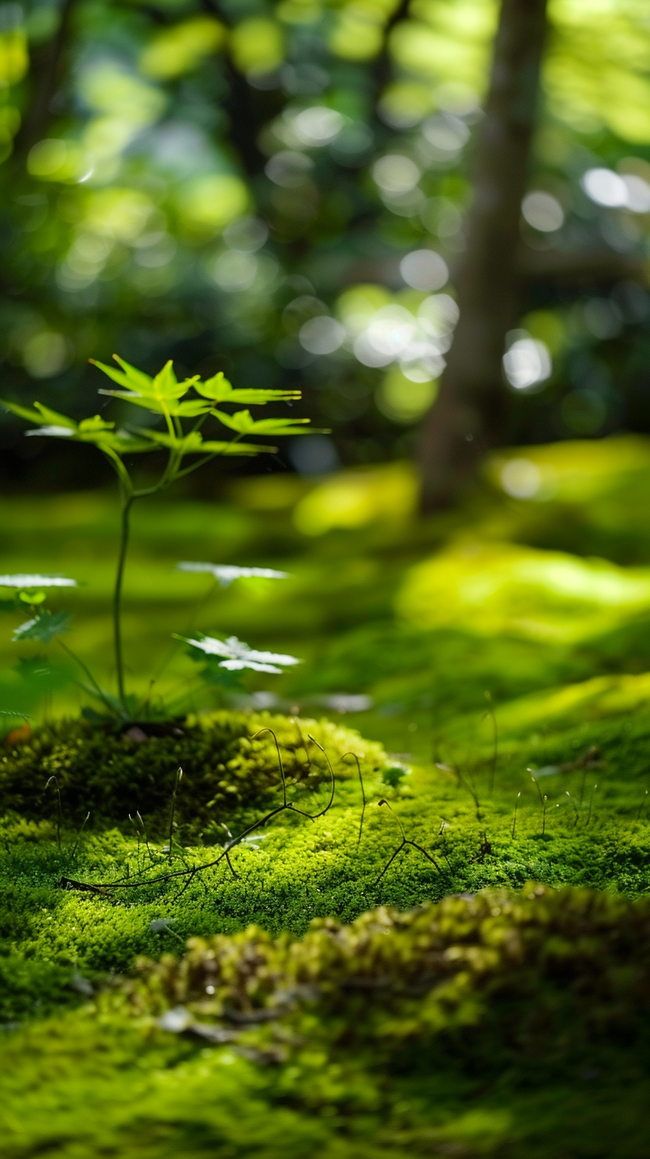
489,669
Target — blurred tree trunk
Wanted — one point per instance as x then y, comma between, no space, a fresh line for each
46,68
470,413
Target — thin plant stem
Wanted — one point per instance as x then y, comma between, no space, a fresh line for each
144,834
514,819
544,804
179,777
86,669
495,741
591,801
190,872
78,838
582,784
117,596
575,808
58,813
281,766
363,792
536,784
642,805
329,765
404,842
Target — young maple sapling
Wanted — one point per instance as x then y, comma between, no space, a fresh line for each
181,409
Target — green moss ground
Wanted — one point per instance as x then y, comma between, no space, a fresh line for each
495,1018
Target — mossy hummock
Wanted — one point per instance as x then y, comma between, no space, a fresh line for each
226,767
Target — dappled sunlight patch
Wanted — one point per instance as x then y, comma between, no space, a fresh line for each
492,588
353,499
601,697
571,471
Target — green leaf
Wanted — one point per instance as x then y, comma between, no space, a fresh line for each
242,422
133,379
125,443
284,427
260,397
164,388
44,627
220,389
41,415
93,425
235,448
189,409
217,388
193,444
187,445
23,412
32,598
53,416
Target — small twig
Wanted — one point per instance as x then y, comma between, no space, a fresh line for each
59,810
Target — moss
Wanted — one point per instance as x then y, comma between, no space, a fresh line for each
112,774
506,1025
304,869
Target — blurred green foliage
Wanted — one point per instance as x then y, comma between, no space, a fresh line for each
251,187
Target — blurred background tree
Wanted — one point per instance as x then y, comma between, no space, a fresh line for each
280,190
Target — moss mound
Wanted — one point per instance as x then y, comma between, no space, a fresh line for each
580,959
496,1025
111,774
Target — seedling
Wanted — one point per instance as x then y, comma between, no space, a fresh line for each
182,408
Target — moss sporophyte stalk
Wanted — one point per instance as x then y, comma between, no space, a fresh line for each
181,410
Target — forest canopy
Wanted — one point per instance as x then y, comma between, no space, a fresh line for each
279,191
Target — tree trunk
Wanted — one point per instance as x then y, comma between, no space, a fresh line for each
470,413
45,75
